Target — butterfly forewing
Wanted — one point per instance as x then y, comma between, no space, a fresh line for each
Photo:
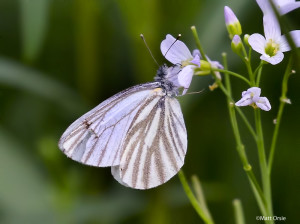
97,137
155,144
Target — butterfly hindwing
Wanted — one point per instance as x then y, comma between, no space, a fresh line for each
155,145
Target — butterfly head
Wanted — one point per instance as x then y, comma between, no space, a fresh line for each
168,78
161,73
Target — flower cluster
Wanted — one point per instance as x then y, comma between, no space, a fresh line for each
273,44
271,47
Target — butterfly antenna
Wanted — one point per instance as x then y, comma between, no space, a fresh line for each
197,92
191,93
177,38
143,38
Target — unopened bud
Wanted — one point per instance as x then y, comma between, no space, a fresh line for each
232,23
205,65
236,45
246,37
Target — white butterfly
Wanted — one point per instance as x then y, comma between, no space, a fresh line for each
139,132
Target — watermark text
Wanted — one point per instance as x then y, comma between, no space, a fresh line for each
273,218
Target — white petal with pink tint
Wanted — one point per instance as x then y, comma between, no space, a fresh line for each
272,46
271,27
185,77
257,42
273,60
283,6
175,51
251,96
264,104
245,101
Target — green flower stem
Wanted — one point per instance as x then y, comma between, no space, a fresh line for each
265,176
258,67
275,135
249,69
247,60
218,81
266,180
250,54
200,196
238,211
226,72
199,46
283,99
248,125
193,199
259,72
240,147
244,52
227,79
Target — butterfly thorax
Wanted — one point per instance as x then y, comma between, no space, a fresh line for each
168,86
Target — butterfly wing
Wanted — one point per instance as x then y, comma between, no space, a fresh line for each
155,145
97,137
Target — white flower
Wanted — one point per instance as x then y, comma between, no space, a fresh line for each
283,6
177,53
252,96
272,46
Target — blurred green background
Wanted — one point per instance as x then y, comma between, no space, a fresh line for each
60,58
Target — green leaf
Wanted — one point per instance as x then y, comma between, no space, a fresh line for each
34,20
19,76
23,190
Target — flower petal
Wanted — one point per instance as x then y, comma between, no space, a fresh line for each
216,64
264,104
185,77
296,37
244,93
264,5
245,101
288,7
284,46
283,6
280,3
257,42
196,60
236,40
271,27
197,52
273,60
230,17
174,51
255,93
